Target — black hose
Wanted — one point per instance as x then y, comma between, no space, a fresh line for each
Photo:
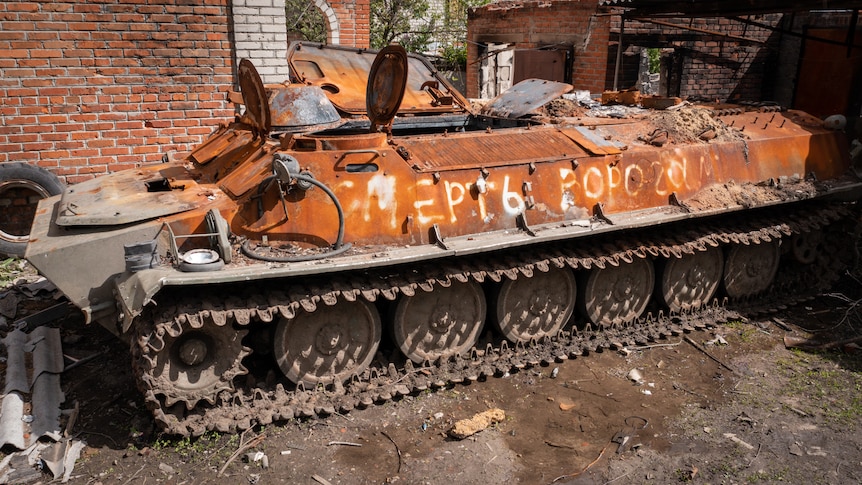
338,248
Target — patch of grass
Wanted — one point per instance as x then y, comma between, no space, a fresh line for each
723,469
682,475
207,448
827,381
10,270
745,331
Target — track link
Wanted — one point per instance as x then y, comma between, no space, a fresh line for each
261,397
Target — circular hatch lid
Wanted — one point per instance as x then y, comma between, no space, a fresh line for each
254,97
386,83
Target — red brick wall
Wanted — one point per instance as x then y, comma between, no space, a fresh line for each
353,20
537,23
104,85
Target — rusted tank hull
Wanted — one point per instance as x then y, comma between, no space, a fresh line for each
293,248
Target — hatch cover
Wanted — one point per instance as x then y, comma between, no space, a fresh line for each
254,98
386,83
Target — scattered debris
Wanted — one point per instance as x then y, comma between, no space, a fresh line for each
320,480
780,324
343,443
718,340
815,451
572,475
744,418
798,411
796,450
698,347
397,450
811,344
257,456
567,406
732,437
559,445
243,447
471,426
635,376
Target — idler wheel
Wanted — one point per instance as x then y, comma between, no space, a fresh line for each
330,344
690,281
531,308
194,364
749,269
441,323
618,294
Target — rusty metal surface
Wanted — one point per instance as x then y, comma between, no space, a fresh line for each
254,97
497,148
298,108
343,74
593,140
524,97
224,140
474,186
387,81
152,191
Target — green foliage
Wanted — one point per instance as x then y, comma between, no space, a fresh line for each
10,269
305,19
454,56
654,60
415,25
407,22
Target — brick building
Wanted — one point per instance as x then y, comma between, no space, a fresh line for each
567,37
734,52
103,85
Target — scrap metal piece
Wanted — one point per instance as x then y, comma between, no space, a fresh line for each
521,220
11,422
47,351
526,96
60,458
46,398
16,372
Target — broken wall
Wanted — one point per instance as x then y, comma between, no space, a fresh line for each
534,24
708,58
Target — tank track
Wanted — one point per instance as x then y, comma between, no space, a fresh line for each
262,398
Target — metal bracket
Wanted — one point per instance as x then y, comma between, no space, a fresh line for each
674,200
436,237
521,221
599,213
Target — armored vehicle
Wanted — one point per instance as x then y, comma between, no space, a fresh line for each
346,238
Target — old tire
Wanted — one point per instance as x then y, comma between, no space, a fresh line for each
21,187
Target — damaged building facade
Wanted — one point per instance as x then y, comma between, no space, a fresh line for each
733,53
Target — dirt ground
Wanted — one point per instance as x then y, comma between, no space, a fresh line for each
748,411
